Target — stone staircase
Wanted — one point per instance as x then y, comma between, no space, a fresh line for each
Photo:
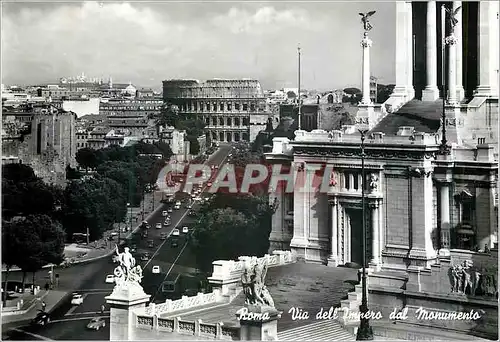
328,330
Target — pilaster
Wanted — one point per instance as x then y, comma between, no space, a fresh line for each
333,259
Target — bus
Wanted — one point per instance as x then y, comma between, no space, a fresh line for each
171,284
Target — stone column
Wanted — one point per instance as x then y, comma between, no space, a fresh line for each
366,43
123,301
445,218
375,233
404,56
431,92
451,42
334,256
410,52
459,34
488,49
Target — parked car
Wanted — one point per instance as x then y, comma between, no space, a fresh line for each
169,210
165,212
151,243
41,318
110,279
175,232
185,230
167,222
158,225
96,323
77,299
177,207
178,203
156,270
163,236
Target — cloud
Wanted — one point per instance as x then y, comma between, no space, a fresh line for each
265,20
143,41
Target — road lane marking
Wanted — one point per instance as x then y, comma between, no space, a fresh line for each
185,245
32,334
180,221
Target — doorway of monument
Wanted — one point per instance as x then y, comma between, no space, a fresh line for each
356,234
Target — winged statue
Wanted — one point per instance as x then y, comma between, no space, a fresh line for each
452,15
366,23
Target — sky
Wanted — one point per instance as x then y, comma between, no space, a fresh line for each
147,42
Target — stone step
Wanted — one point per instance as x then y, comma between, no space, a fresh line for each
349,304
354,296
327,330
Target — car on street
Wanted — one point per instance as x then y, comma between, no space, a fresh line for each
115,259
175,232
156,270
158,225
209,184
145,257
189,205
144,234
145,225
96,323
169,210
151,243
192,213
178,203
177,207
110,279
163,236
185,230
167,222
77,299
164,213
133,248
41,318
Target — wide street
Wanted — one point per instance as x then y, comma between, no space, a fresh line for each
69,322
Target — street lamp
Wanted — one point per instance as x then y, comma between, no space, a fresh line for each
365,332
130,213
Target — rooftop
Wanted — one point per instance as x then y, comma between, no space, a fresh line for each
423,116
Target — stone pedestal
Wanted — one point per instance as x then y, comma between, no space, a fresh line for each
123,301
258,323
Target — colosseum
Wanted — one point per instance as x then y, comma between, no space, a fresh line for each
232,110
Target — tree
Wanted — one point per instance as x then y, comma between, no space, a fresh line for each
18,173
230,226
10,251
38,241
24,194
88,158
168,116
352,91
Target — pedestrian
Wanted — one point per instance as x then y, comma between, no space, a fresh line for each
43,306
102,308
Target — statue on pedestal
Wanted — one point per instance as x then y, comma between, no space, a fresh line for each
366,23
252,280
453,15
127,272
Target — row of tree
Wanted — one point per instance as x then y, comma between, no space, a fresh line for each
120,176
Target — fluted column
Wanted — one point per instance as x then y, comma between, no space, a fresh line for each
366,43
431,92
375,233
334,256
488,49
459,34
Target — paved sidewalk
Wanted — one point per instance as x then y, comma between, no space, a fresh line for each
51,299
